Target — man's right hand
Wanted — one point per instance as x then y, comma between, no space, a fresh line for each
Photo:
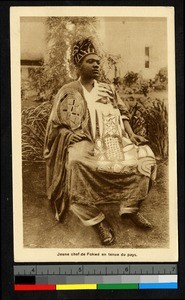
77,137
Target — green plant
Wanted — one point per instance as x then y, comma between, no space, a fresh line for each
134,83
150,119
137,120
130,78
161,80
34,121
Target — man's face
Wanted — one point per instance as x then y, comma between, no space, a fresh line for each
89,67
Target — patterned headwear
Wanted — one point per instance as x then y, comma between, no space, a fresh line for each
81,49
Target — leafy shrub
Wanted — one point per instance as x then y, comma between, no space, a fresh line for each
130,79
150,119
134,83
34,121
161,80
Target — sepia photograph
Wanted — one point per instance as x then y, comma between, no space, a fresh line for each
94,134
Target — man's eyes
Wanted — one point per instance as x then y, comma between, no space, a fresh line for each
91,61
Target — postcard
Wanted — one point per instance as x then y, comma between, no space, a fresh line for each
94,134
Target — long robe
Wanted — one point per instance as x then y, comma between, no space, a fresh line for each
114,169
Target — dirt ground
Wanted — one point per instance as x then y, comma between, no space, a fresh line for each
41,230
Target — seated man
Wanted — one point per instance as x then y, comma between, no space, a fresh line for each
92,155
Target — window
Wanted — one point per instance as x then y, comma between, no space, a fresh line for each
147,57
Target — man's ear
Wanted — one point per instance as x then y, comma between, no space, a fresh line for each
77,70
79,65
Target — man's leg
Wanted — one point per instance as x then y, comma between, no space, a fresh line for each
79,191
136,217
129,208
92,216
89,215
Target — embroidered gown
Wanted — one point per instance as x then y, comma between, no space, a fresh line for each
105,167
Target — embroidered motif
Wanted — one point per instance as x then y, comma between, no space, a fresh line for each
71,109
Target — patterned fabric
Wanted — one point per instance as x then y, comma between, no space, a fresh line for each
81,49
114,152
118,155
71,108
96,170
103,101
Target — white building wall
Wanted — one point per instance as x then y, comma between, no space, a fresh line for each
129,37
33,38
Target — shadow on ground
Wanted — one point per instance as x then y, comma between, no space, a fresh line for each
42,231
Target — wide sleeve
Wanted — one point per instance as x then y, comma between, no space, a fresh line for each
66,116
68,109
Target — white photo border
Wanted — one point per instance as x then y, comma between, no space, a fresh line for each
22,254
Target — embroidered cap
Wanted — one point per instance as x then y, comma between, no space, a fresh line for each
81,49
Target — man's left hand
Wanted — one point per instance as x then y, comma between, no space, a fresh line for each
138,139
